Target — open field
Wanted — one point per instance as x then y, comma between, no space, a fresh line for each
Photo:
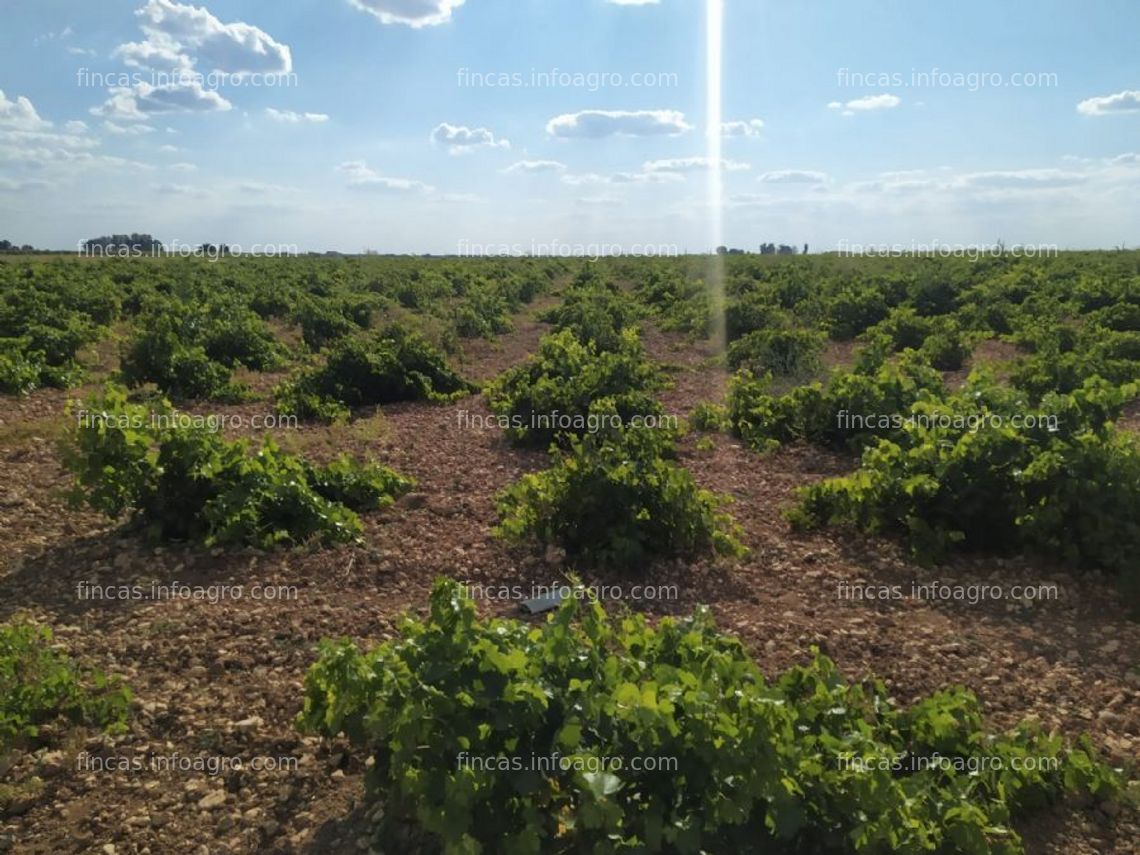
1004,475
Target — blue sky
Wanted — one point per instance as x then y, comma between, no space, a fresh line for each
377,133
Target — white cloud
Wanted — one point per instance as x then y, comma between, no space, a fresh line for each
867,103
20,115
589,178
692,164
595,124
532,166
295,118
743,128
793,176
180,36
1127,101
257,187
143,100
27,139
178,190
413,13
187,43
8,185
121,130
362,177
183,167
600,201
1021,179
459,138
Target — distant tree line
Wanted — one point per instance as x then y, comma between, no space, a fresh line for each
132,244
765,249
8,246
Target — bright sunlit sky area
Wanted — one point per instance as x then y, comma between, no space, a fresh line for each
430,125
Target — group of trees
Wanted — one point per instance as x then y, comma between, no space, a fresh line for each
8,246
134,244
765,249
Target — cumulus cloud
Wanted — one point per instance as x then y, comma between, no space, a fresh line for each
459,138
362,177
186,43
127,130
178,190
596,124
1021,178
142,100
743,128
589,178
289,117
793,176
9,185
531,166
1127,101
867,103
413,13
19,115
692,164
28,139
182,36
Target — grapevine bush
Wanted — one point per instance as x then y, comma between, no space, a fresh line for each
40,684
614,498
189,483
454,709
564,379
963,475
393,364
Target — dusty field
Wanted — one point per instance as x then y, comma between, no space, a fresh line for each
224,678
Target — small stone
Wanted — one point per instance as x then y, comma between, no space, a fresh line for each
213,799
248,724
412,501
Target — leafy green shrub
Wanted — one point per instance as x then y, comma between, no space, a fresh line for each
854,407
40,684
613,499
946,347
963,474
905,327
189,483
44,321
394,364
189,350
159,355
483,313
596,313
681,303
854,309
20,371
321,323
783,352
752,312
709,418
590,733
561,382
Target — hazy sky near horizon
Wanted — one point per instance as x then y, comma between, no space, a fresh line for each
459,125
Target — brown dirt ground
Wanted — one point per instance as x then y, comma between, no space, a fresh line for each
225,679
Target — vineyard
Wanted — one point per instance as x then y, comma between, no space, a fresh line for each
254,511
